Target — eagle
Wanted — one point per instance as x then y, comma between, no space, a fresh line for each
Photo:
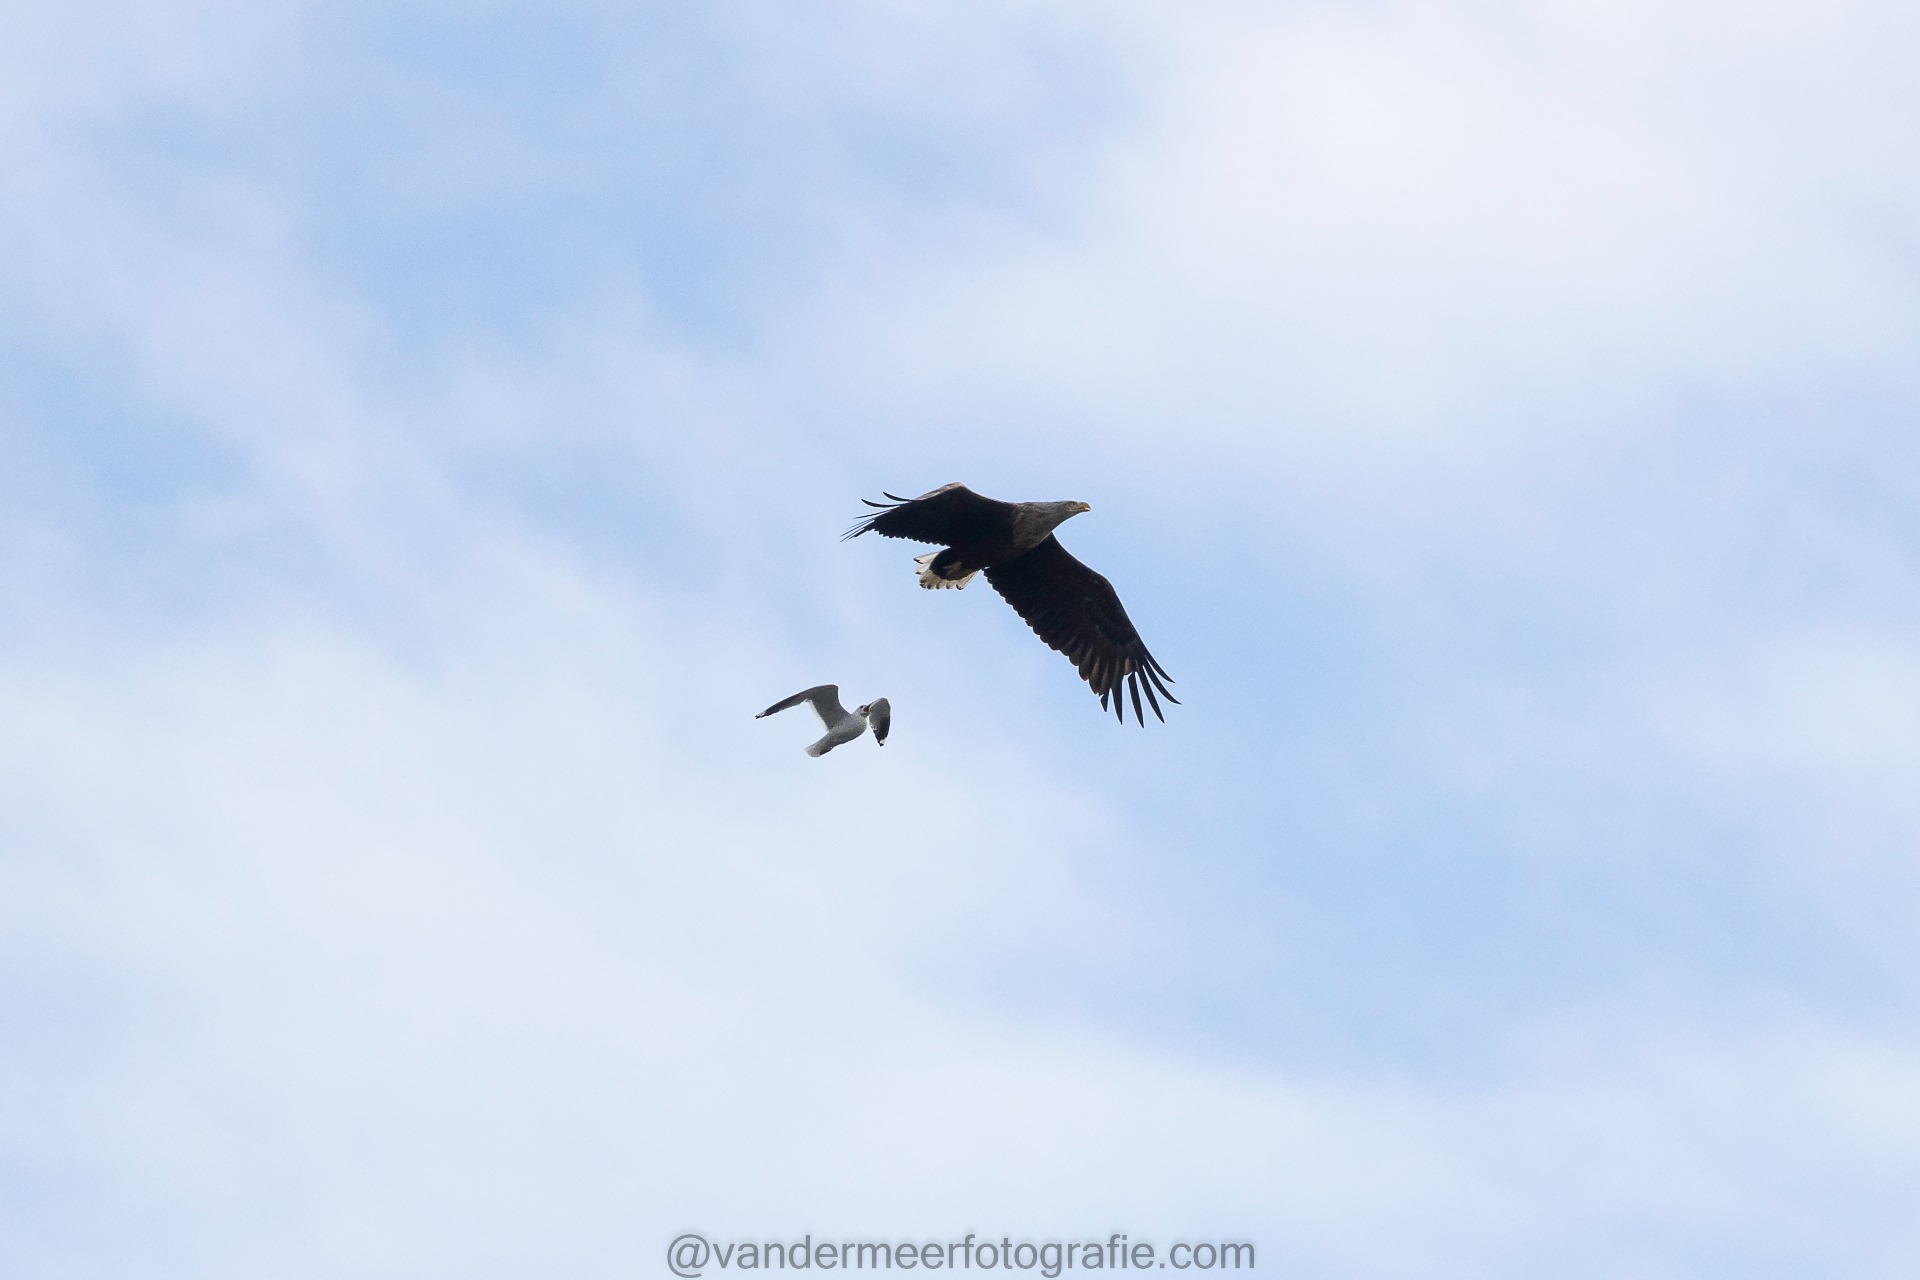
1068,605
841,725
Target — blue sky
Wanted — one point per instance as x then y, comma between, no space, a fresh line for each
427,431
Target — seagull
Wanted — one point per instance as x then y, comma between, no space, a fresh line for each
842,725
1072,608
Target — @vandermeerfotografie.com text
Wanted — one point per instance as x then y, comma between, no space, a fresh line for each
691,1255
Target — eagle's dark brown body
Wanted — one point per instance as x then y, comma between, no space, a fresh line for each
1068,605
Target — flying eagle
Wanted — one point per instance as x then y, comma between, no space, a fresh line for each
842,725
1068,605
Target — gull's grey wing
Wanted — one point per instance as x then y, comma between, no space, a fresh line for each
880,716
825,699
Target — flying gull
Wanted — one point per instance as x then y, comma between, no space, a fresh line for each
842,725
1068,605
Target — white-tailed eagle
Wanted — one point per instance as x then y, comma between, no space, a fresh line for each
1068,605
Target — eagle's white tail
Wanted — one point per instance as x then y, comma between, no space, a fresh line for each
932,580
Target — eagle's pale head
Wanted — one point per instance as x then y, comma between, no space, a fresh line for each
1058,513
1033,521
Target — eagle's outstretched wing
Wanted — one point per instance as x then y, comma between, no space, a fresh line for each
1076,611
952,515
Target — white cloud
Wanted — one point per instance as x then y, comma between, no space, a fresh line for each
389,965
1346,249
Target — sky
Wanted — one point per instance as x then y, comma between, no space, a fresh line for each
425,435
